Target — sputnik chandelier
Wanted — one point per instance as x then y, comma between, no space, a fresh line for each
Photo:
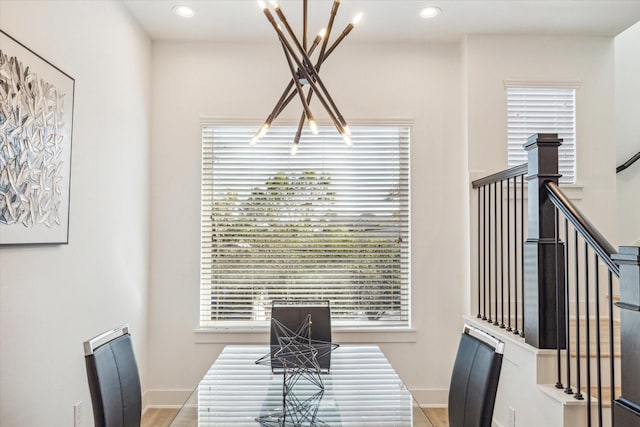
304,72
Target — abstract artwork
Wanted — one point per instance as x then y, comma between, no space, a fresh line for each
36,117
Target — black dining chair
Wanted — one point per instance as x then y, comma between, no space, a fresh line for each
474,381
114,381
292,314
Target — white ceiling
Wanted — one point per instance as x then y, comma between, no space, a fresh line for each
389,20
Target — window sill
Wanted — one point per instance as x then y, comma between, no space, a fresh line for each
340,335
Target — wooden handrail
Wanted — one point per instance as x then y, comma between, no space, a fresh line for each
501,176
628,163
591,235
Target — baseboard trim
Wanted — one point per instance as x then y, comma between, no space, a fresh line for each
430,397
172,398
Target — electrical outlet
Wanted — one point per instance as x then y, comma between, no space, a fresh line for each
77,414
512,417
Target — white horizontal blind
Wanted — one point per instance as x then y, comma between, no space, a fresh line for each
543,110
331,222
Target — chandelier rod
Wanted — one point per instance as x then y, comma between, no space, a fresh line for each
284,100
289,87
305,104
304,24
332,16
310,71
303,69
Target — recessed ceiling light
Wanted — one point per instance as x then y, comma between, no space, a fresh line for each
430,12
184,11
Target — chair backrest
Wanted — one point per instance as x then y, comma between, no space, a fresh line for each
474,381
292,314
114,381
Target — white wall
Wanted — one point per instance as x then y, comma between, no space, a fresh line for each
587,60
54,298
628,133
242,81
492,60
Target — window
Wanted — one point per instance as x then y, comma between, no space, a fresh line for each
543,110
331,222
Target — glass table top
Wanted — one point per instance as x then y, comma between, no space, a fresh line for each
362,389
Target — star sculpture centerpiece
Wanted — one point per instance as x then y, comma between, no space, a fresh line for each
295,412
296,354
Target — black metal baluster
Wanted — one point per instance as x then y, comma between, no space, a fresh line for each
509,255
501,258
558,320
612,366
495,248
489,253
567,390
598,352
588,334
479,269
522,251
484,253
515,256
578,394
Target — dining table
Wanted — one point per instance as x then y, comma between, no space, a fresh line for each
360,389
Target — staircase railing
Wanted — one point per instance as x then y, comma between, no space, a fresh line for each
628,163
501,254
582,285
557,271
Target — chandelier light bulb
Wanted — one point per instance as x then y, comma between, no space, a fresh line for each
356,19
347,130
260,134
313,126
322,33
294,149
347,139
263,131
262,4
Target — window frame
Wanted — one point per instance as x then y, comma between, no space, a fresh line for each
376,329
568,179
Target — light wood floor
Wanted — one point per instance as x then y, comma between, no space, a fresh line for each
155,417
439,417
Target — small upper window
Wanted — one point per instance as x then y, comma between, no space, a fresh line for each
542,110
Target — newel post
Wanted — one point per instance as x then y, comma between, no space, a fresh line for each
544,308
627,406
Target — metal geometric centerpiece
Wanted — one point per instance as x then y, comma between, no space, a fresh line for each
306,73
296,354
296,357
295,412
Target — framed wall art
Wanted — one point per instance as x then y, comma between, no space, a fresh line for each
36,122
